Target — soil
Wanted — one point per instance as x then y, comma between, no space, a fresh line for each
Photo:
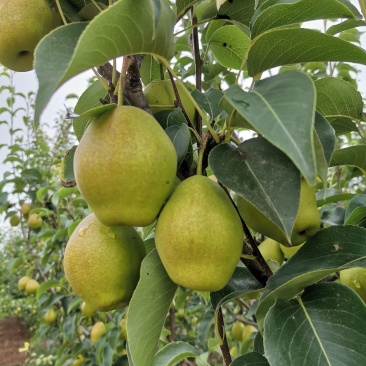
12,337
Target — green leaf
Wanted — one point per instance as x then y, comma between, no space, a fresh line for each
356,210
347,24
241,282
326,326
281,108
149,70
255,171
173,353
180,137
183,6
46,286
237,11
288,46
339,102
148,309
229,45
89,99
67,168
329,250
278,13
353,155
31,175
125,28
250,359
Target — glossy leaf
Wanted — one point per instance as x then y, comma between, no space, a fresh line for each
241,282
329,250
237,11
229,45
125,28
288,46
281,109
278,13
250,359
326,326
173,353
347,24
255,171
148,309
353,155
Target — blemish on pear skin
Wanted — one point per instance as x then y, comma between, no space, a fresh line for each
83,230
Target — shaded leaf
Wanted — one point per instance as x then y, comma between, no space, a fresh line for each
238,11
281,109
288,46
250,359
148,309
255,171
326,326
180,137
356,210
173,353
67,168
353,155
347,24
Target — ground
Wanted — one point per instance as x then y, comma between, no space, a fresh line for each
12,337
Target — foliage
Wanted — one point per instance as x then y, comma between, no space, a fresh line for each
248,72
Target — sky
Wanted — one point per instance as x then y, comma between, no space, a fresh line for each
25,82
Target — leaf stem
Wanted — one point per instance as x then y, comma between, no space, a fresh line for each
100,79
62,15
201,153
122,79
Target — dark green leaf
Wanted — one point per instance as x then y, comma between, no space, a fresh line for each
347,24
250,359
173,353
288,46
353,155
238,11
326,326
356,210
67,168
255,171
181,138
31,175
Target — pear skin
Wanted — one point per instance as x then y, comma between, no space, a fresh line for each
307,222
199,236
125,167
102,264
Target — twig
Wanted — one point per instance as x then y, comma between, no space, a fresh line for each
223,345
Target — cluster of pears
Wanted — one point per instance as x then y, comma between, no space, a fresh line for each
23,23
27,284
125,166
34,220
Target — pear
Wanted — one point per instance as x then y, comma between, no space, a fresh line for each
34,221
125,166
288,252
199,235
102,264
160,96
87,310
237,330
97,331
50,316
270,249
22,283
356,279
31,287
307,222
23,23
25,208
79,361
14,220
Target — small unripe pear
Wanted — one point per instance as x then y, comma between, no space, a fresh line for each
87,310
31,287
34,221
123,325
356,279
237,330
22,283
25,208
97,331
50,316
14,220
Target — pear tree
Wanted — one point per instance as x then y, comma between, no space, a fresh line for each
211,132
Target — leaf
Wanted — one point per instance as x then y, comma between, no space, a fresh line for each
89,99
240,283
149,70
281,108
278,13
31,175
250,359
67,168
347,24
288,46
180,137
229,45
173,353
326,326
329,250
353,155
339,102
125,28
183,6
238,11
356,210
46,286
148,309
255,171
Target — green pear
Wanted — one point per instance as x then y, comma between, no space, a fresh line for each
307,222
50,316
270,249
34,221
79,361
288,252
23,23
23,282
87,310
356,279
25,208
237,330
125,167
97,331
102,264
31,287
14,220
199,236
159,95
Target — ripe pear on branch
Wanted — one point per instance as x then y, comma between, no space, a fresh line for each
199,235
125,167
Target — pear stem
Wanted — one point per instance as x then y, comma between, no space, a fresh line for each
200,154
61,12
122,79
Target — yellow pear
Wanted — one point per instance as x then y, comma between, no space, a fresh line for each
123,325
34,221
25,208
159,95
125,166
247,332
356,279
22,283
270,249
79,361
87,310
23,23
237,330
50,316
290,251
14,220
307,222
199,236
97,331
102,264
31,287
